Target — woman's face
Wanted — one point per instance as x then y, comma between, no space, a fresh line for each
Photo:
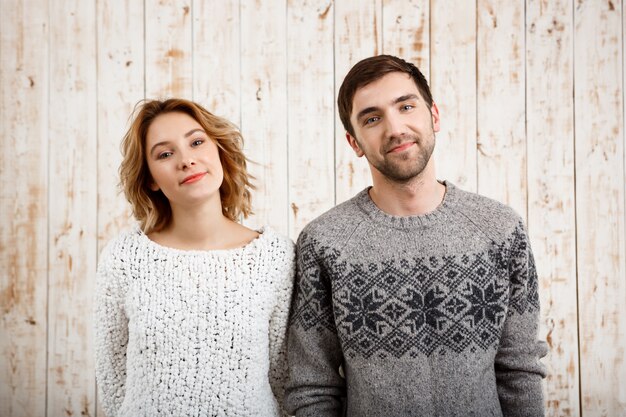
183,160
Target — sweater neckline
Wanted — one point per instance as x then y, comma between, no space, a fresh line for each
364,201
264,233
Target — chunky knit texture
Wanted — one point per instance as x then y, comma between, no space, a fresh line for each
432,315
193,333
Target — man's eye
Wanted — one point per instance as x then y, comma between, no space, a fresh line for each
164,155
408,107
197,142
371,120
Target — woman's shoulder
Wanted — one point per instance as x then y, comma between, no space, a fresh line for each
124,244
276,242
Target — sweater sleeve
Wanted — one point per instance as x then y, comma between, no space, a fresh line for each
517,364
315,386
111,335
278,325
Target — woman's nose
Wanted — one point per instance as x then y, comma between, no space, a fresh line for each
186,161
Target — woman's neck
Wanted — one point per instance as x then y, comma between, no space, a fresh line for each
202,228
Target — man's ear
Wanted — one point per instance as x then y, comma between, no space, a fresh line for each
354,145
434,111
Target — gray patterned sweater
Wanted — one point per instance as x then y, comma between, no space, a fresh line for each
432,315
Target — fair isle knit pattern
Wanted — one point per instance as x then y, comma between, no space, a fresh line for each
193,333
432,315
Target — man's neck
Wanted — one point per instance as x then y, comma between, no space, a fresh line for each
421,195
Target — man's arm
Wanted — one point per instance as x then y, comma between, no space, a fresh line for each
315,387
517,366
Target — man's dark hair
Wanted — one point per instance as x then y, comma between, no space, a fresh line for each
369,70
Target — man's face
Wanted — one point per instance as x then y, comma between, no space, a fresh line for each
394,127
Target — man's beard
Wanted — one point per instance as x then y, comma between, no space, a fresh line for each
402,169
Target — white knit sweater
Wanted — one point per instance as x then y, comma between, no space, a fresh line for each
192,333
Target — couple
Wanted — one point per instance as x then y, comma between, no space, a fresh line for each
414,298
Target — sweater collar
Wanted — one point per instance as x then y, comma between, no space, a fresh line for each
366,204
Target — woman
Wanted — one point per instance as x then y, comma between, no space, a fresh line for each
191,306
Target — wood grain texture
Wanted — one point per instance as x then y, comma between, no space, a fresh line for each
406,31
263,109
310,113
358,35
120,86
23,207
601,254
453,84
531,97
168,49
500,104
216,58
551,192
73,203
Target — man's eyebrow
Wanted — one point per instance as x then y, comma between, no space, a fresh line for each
405,98
165,142
400,99
366,111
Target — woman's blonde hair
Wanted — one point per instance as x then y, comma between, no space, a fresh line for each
151,208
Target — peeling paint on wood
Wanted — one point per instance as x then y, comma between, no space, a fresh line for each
501,72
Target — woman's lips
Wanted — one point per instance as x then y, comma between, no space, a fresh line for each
193,178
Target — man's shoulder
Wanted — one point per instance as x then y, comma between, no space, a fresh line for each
488,213
334,222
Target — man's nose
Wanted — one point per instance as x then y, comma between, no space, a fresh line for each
394,126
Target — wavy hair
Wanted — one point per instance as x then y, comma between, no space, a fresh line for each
151,208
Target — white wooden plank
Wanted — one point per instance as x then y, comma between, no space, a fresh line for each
310,113
168,32
601,253
406,31
120,86
453,84
551,192
263,109
23,207
500,104
358,32
216,58
73,203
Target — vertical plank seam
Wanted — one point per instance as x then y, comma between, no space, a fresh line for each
382,22
623,129
97,95
335,109
290,220
49,54
240,72
145,65
430,52
476,129
526,159
193,55
578,321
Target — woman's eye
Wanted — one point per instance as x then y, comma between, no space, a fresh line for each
197,142
164,155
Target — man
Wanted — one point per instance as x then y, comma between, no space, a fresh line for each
422,295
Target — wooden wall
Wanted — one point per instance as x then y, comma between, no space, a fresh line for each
531,96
